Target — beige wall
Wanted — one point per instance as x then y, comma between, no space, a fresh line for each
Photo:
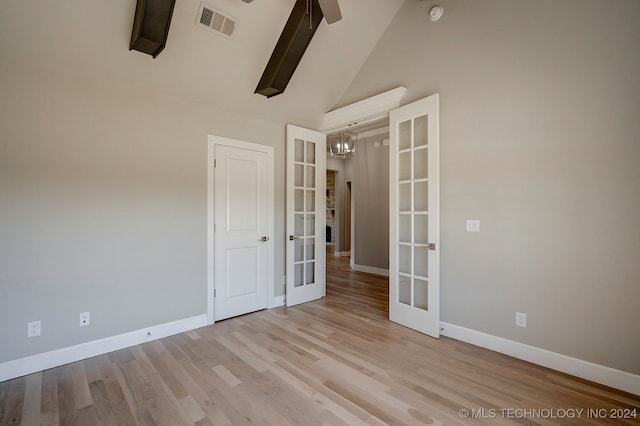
540,140
103,206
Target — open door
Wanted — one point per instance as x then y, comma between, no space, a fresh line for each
306,181
414,237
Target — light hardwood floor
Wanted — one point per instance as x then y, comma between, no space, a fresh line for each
332,361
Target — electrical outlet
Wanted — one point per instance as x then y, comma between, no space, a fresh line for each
33,328
85,319
521,319
473,225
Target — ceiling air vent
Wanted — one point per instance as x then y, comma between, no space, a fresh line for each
215,20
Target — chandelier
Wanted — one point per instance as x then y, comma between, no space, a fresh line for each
342,144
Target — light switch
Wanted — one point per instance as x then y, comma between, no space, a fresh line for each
473,225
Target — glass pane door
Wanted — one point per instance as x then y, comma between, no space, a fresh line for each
306,169
414,216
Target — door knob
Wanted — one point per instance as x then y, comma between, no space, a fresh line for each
264,239
432,246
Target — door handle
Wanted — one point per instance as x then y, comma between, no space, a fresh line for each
264,239
291,238
431,246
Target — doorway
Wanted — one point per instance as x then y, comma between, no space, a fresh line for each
362,201
241,226
412,245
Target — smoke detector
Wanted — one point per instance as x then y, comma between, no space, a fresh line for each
435,13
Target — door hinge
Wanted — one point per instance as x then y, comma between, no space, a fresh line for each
214,228
214,293
215,163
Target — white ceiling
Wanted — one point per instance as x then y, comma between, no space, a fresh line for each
90,38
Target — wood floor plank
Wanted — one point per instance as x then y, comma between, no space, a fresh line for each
12,412
32,399
4,394
49,399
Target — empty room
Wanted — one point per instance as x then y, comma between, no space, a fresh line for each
316,212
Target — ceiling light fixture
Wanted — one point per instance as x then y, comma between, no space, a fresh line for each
342,144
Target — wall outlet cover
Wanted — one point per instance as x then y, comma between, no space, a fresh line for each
34,328
85,319
473,225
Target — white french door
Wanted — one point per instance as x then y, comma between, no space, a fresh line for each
306,182
414,237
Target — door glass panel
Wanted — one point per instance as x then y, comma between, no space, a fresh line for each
298,179
421,261
298,271
404,166
299,200
404,259
404,197
420,130
311,177
404,290
404,135
311,224
311,200
421,229
421,196
298,224
420,294
298,250
310,252
404,228
421,163
299,150
311,153
310,273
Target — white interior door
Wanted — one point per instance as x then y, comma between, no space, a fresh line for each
306,210
414,237
241,232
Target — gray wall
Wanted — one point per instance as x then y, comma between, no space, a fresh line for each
371,204
540,140
103,206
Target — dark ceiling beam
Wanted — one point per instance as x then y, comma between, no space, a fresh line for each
151,26
293,42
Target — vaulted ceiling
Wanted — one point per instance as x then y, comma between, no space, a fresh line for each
90,38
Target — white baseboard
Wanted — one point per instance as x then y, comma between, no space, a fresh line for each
277,301
587,370
55,358
370,270
341,253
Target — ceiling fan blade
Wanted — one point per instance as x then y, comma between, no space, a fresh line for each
331,10
247,1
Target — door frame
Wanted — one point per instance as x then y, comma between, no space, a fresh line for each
212,141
